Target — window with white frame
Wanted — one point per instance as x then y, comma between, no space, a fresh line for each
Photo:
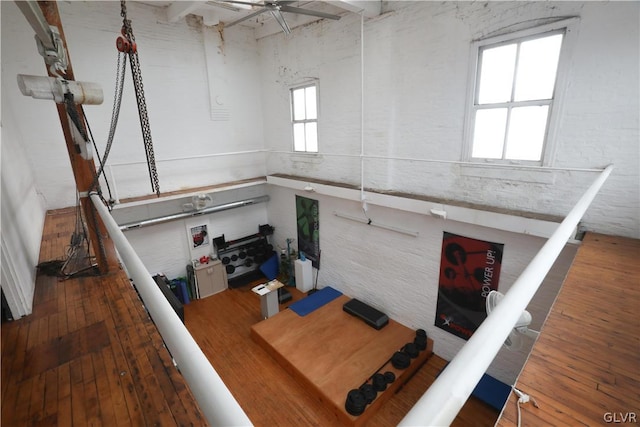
514,95
304,116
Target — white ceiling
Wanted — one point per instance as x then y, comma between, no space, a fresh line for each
214,12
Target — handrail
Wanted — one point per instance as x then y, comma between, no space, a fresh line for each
441,161
445,397
214,398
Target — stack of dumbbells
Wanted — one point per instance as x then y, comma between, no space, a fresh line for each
359,398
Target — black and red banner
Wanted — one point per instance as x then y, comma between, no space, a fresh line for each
469,270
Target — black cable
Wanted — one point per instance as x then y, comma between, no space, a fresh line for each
93,225
75,118
82,222
73,114
95,147
315,285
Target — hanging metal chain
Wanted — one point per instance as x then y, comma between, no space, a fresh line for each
142,105
115,114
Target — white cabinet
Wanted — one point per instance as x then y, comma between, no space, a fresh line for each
211,278
304,275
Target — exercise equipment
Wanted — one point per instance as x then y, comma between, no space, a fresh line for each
370,315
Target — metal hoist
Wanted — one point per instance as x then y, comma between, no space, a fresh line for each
72,93
126,44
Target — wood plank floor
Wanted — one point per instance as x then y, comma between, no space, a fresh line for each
586,362
269,395
89,355
331,352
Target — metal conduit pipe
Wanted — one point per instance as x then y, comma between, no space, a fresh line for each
214,398
441,403
181,215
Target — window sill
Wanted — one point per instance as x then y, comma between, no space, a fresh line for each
509,173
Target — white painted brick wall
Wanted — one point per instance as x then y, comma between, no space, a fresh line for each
164,248
415,65
416,70
398,274
174,72
23,214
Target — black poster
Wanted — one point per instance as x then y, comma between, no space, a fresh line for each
469,270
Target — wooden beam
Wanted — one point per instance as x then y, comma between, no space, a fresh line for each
83,170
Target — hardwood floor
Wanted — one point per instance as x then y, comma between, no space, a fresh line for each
268,394
585,366
89,355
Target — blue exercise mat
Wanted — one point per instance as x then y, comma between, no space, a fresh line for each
315,301
491,391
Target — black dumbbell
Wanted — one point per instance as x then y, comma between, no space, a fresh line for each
400,360
356,402
379,382
420,343
369,392
411,350
389,377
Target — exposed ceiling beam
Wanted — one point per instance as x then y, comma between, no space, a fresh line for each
179,9
36,19
370,9
210,18
270,26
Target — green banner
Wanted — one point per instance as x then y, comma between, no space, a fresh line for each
308,224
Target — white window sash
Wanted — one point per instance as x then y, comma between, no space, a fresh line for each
555,104
304,121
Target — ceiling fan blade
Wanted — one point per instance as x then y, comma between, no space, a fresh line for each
244,2
227,6
291,9
249,16
278,17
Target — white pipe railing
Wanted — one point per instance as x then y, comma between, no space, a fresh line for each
445,397
190,214
441,161
214,398
113,165
197,157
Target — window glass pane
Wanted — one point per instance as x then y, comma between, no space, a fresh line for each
527,128
298,104
496,74
312,137
310,98
488,136
537,65
298,137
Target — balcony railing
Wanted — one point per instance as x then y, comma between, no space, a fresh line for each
441,403
445,397
214,398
